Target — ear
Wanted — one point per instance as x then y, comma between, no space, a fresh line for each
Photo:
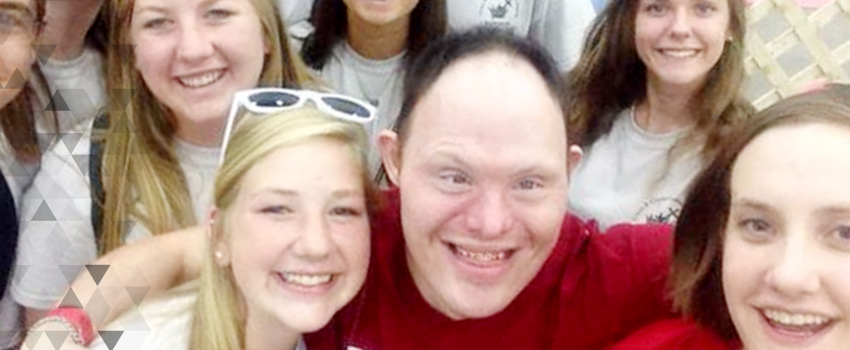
574,154
217,242
388,146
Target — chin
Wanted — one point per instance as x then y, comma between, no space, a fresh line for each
474,306
307,323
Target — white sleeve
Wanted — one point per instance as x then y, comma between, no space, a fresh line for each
560,26
294,11
56,237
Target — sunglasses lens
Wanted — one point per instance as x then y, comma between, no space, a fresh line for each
273,99
346,107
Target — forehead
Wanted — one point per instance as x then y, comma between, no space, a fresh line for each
809,160
321,162
492,92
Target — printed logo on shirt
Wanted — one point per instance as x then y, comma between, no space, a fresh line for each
352,348
499,12
659,210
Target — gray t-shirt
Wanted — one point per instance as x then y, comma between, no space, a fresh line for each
624,176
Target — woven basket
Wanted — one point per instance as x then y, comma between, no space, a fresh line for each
789,47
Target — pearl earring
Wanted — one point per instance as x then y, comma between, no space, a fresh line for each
219,255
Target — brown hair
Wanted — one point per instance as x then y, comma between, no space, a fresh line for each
695,278
610,77
428,20
18,119
139,163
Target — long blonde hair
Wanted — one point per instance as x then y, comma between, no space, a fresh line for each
218,322
139,164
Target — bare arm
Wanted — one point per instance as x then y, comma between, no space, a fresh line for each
160,263
67,24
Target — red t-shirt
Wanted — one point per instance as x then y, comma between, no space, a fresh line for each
593,290
675,334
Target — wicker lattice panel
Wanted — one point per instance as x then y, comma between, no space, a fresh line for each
790,46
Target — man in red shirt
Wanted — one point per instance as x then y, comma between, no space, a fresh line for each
475,249
478,251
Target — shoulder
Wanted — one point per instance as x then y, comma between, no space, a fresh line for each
673,334
159,323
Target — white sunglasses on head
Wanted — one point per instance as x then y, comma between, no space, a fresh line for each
270,100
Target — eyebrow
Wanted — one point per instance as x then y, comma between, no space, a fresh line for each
292,193
747,203
17,6
834,211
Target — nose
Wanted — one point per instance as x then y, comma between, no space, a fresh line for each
195,45
681,25
314,239
490,215
794,271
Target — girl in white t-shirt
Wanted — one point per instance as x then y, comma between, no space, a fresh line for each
286,250
359,48
654,93
172,69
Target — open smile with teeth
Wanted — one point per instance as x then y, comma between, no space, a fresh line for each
678,53
305,280
481,256
201,80
796,322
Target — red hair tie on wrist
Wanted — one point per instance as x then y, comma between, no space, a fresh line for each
79,319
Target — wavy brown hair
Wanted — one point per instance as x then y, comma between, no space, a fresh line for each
139,163
610,77
696,279
18,117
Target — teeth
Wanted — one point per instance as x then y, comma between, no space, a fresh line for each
798,320
202,79
481,256
306,280
679,53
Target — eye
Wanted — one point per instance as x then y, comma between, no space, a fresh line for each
346,211
155,23
705,8
841,236
10,19
756,229
455,178
656,9
276,209
218,15
530,184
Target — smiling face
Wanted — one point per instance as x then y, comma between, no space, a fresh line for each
194,54
786,258
482,201
380,12
17,31
680,41
299,241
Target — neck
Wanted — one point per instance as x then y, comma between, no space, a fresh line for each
666,108
377,42
200,133
263,333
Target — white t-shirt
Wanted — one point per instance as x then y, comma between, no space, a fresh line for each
622,176
80,83
55,219
557,25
